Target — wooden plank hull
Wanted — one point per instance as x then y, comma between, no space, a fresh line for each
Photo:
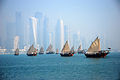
16,54
32,54
66,55
50,53
97,55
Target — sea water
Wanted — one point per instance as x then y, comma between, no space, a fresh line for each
55,67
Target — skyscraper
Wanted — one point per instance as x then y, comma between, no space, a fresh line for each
20,29
11,33
66,33
27,35
78,40
31,36
39,17
34,25
59,34
75,38
51,39
46,32
62,33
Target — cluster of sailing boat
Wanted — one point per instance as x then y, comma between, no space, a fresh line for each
94,51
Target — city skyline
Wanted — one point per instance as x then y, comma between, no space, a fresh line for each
31,33
89,19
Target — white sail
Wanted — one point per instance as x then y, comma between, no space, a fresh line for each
66,48
95,46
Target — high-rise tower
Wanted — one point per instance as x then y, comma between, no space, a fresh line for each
34,25
39,17
46,33
59,35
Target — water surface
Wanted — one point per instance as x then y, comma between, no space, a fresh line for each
55,67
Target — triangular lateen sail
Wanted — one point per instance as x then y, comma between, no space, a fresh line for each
50,48
95,46
66,48
31,49
41,50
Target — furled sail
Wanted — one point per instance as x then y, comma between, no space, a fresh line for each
66,48
50,48
95,46
41,50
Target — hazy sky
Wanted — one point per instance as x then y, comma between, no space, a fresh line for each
89,17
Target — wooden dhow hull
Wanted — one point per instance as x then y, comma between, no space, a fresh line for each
16,54
31,54
100,54
50,53
66,55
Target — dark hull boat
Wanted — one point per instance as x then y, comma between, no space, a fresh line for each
66,55
97,55
95,51
50,53
41,50
32,51
32,54
50,50
16,52
66,52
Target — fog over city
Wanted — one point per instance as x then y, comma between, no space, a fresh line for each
44,22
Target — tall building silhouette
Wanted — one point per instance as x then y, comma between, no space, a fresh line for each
27,35
31,36
20,29
62,33
51,39
66,33
39,17
3,34
76,40
16,42
59,35
34,26
11,33
46,32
